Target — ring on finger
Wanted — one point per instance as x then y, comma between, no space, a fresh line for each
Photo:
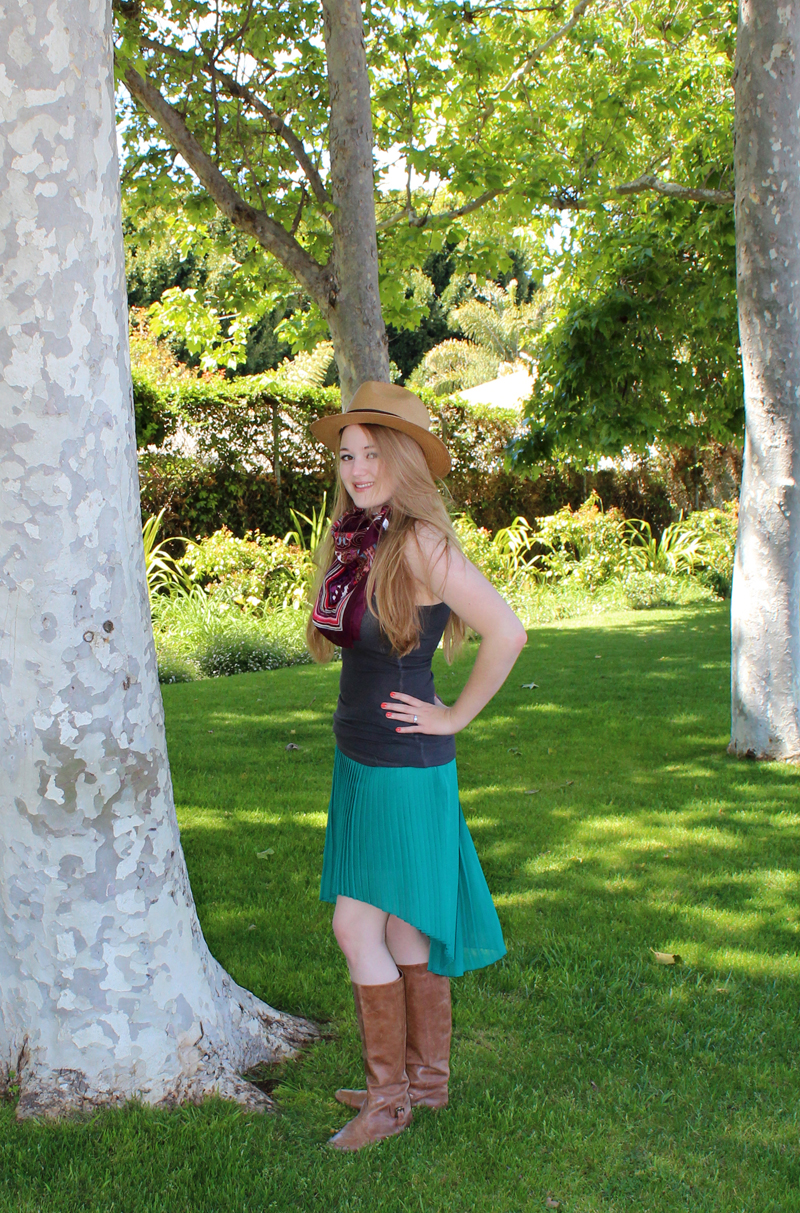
415,720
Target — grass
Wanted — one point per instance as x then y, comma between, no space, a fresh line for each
199,636
610,822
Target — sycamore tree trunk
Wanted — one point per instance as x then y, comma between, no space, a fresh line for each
107,988
355,319
765,607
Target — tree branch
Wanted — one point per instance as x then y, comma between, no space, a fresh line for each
271,235
417,220
242,93
234,37
565,200
673,190
536,54
284,131
513,9
299,212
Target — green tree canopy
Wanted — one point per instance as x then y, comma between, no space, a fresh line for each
503,115
503,99
644,341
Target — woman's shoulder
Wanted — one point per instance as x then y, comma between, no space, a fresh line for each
427,537
425,547
429,554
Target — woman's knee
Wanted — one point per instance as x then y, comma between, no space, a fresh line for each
343,929
357,929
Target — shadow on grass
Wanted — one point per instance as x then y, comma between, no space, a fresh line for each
609,821
602,803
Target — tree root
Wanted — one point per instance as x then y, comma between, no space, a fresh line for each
204,1065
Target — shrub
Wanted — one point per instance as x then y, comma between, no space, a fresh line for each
237,452
485,550
243,649
588,545
199,635
198,498
174,666
679,550
547,602
646,589
258,571
242,612
161,569
716,531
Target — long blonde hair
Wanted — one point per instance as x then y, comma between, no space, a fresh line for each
415,499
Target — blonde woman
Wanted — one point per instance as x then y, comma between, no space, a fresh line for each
412,905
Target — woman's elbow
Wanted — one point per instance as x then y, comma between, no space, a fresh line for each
515,637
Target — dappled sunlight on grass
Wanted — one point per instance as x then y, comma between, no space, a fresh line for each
550,709
754,964
611,825
317,821
722,920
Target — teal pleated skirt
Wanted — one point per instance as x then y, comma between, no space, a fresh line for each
397,839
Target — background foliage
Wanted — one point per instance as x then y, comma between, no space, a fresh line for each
230,605
208,447
643,341
516,128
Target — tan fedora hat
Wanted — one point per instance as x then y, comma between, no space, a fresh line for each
392,406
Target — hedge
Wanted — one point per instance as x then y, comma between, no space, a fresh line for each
238,453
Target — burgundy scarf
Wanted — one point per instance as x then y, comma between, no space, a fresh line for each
342,597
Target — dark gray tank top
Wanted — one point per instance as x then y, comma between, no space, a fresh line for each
370,670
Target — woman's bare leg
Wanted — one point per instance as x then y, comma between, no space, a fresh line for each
360,931
407,945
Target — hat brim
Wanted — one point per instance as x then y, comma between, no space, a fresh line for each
328,429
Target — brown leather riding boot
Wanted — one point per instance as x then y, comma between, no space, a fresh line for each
386,1108
428,1032
429,1028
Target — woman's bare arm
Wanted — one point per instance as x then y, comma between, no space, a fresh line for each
453,579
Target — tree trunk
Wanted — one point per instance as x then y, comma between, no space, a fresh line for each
107,988
276,445
354,316
765,607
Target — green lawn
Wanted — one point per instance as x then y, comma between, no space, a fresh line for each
610,822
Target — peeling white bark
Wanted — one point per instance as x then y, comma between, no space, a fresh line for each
107,988
765,606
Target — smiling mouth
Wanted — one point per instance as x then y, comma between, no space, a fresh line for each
362,488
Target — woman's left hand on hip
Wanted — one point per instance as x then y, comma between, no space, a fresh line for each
419,716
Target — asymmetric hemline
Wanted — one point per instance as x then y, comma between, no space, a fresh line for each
397,839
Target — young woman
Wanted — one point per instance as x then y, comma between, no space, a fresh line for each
412,905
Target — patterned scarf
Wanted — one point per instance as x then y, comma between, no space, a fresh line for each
342,597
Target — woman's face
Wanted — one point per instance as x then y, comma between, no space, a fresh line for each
364,474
